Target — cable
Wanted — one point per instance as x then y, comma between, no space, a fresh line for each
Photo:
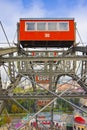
79,37
14,37
5,34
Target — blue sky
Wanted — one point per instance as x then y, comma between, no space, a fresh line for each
12,10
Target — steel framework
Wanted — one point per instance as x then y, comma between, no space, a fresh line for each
42,63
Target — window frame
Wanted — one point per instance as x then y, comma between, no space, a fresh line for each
26,26
42,29
53,29
63,29
46,26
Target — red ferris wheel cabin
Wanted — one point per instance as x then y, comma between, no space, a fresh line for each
46,32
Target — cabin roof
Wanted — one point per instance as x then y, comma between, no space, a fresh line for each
46,18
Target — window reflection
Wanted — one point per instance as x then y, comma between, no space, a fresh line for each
41,26
48,26
52,26
63,26
30,26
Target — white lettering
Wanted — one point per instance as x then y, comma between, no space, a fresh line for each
47,35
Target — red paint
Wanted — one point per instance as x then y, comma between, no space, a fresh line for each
42,79
42,102
79,119
40,35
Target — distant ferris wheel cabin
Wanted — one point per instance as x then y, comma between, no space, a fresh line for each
46,32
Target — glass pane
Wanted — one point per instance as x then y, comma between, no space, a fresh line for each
52,26
63,26
30,26
41,26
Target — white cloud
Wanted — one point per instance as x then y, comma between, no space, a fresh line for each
79,13
36,9
11,11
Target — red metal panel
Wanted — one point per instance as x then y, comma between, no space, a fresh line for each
42,79
47,35
43,102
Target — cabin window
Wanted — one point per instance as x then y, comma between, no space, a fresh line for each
48,26
63,26
52,26
41,26
30,26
